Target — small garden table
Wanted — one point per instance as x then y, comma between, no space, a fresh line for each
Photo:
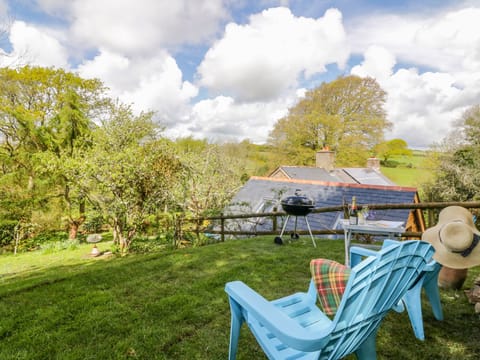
380,227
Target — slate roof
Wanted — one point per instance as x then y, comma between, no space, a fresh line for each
308,173
344,175
368,176
261,194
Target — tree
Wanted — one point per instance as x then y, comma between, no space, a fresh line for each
457,159
130,172
214,175
345,115
387,149
46,117
213,178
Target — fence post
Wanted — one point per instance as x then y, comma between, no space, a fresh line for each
430,217
197,229
177,237
222,227
274,220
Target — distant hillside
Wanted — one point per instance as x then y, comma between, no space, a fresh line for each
408,170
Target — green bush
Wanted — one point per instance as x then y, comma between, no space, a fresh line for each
390,163
37,241
7,232
93,224
151,243
50,236
55,246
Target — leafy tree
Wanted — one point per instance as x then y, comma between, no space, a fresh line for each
130,172
457,159
387,149
213,178
250,159
45,120
346,115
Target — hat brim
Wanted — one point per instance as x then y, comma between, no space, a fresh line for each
445,257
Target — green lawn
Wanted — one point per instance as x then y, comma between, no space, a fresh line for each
171,305
410,171
407,176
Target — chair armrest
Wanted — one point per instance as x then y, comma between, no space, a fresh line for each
432,266
280,324
357,252
362,251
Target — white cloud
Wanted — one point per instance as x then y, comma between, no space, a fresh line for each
422,105
34,46
429,65
147,83
264,59
112,68
447,41
223,119
378,63
143,26
452,40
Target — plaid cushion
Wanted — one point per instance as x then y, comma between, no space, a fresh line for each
330,278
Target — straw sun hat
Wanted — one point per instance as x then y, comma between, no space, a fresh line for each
455,238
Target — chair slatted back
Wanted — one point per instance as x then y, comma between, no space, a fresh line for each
374,287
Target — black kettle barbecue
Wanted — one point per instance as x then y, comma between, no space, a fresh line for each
296,205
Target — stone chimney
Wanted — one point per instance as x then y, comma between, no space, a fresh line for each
325,159
373,163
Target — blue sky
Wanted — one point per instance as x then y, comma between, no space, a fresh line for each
229,69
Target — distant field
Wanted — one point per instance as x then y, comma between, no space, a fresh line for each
410,170
407,176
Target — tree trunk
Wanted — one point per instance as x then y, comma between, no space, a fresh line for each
73,231
119,238
74,225
117,231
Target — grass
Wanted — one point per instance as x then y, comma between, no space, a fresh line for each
171,304
410,171
412,177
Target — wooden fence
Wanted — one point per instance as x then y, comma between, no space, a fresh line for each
197,224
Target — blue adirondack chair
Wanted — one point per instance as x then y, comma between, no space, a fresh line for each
412,300
293,327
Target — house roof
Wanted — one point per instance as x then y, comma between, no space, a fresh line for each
344,175
262,194
368,176
306,173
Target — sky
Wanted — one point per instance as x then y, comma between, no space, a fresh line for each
228,70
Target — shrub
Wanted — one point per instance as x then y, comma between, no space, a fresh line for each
55,246
7,232
93,224
50,236
151,243
389,163
36,241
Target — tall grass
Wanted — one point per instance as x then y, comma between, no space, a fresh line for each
171,304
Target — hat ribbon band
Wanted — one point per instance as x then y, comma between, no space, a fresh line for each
467,251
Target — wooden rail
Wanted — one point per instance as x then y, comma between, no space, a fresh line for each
431,206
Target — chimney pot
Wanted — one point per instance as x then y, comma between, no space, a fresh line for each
373,163
325,159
